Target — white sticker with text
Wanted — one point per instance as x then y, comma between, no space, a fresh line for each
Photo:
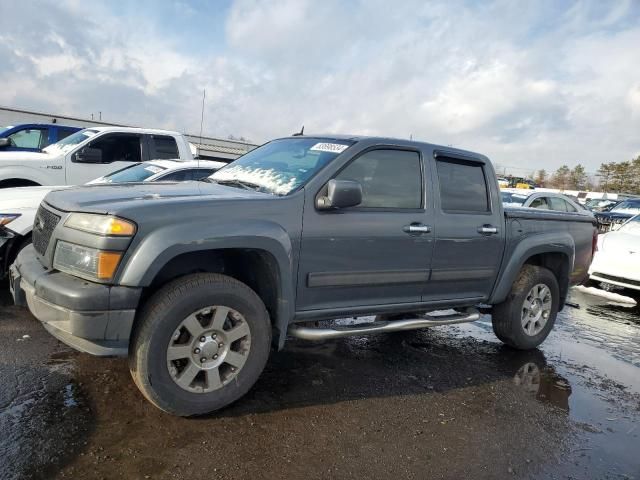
329,147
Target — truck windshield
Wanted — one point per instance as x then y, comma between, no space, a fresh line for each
133,173
282,166
71,141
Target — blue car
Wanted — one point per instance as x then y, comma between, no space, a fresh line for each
33,137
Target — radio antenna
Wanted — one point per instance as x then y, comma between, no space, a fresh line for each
300,133
204,94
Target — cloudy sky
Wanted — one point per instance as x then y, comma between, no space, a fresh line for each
533,84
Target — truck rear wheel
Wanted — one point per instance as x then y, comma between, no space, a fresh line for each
201,342
528,314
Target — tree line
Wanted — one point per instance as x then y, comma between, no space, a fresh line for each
620,177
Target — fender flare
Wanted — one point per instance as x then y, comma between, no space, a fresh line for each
147,258
527,247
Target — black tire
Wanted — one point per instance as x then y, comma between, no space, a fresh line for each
161,316
506,317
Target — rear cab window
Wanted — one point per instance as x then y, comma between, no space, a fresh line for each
463,186
164,147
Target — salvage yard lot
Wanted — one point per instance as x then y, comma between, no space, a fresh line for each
440,403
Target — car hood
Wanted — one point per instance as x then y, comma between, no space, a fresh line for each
13,156
621,242
114,198
23,197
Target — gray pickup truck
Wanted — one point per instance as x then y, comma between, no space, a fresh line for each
196,282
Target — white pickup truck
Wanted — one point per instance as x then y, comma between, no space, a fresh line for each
90,153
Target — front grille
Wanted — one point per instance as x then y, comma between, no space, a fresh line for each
43,226
613,278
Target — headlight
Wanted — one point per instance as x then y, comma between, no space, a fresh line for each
101,224
6,218
85,262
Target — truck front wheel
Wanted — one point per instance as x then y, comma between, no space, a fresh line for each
529,312
200,343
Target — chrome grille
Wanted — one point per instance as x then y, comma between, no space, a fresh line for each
43,226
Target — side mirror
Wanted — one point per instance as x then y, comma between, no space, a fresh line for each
89,155
341,194
5,142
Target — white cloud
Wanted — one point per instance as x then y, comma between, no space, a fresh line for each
533,85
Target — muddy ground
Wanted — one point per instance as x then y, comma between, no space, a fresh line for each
449,402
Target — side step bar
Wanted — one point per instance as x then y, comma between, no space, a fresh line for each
427,320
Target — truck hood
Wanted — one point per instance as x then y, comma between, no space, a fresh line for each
13,156
114,198
23,197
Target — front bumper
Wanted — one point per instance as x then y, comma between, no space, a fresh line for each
90,317
616,268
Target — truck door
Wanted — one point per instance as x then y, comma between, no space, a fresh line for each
103,155
376,253
469,229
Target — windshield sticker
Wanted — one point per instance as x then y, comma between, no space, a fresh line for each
153,169
329,147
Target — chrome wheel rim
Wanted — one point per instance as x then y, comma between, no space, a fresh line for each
536,309
208,349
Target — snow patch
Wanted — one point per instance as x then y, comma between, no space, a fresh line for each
614,297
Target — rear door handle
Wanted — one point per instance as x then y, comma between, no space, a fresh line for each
416,228
487,230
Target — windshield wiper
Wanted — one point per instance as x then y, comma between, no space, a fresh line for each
239,183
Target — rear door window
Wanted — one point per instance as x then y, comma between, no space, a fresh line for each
164,147
463,186
178,176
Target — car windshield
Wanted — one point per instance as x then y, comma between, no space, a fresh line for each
4,129
632,226
627,207
282,166
135,173
71,141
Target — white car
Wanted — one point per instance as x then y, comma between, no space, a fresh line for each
18,206
617,260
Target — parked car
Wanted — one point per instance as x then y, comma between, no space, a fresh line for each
90,153
33,137
617,215
601,204
617,260
542,201
195,281
18,206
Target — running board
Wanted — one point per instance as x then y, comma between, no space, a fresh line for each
309,333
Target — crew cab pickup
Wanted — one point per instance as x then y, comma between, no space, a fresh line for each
195,282
90,153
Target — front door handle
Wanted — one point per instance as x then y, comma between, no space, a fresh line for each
487,230
416,228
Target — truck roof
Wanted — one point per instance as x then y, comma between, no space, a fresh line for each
391,140
156,131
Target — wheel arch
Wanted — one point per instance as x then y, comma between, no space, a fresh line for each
257,267
552,251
